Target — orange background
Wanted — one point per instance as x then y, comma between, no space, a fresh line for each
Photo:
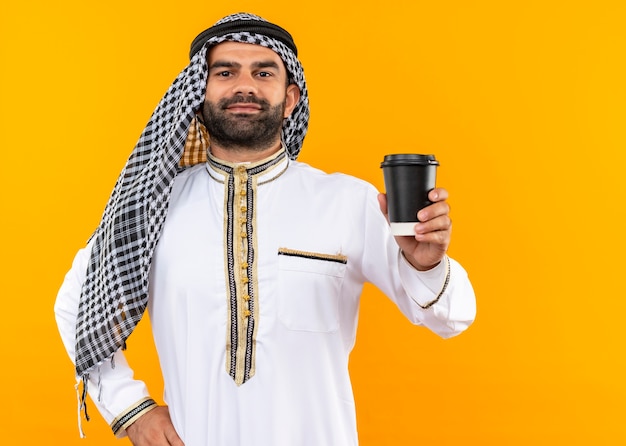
523,103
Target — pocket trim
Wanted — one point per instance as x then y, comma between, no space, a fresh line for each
338,258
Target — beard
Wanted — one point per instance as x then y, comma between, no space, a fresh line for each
243,131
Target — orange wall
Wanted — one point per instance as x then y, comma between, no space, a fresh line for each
521,101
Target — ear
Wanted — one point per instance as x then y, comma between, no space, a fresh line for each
291,99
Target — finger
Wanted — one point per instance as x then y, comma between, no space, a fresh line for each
382,202
439,239
433,211
438,194
441,223
173,438
170,434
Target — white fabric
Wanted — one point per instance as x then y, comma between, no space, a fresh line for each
301,392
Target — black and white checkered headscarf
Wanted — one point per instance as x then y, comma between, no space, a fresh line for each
115,292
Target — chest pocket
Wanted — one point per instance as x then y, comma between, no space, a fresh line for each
309,289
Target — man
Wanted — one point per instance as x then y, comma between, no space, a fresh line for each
253,279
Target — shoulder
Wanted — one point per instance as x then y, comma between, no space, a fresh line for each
333,181
188,179
190,171
190,174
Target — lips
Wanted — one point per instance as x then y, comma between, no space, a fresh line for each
244,107
244,104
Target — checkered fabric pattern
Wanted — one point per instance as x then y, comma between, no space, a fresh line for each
196,146
115,293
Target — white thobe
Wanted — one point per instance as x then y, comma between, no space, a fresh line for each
315,238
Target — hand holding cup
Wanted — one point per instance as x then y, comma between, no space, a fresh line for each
410,186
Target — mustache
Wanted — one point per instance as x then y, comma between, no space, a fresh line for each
240,99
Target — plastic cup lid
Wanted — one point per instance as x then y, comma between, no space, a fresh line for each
409,159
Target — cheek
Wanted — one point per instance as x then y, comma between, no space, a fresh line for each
215,91
209,94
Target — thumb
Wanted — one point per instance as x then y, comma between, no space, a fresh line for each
382,202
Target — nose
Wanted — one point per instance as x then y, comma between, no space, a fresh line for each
245,85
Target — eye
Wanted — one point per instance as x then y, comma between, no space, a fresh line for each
223,73
264,74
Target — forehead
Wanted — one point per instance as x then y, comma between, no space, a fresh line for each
242,52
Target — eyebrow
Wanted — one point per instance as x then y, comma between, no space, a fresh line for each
230,64
266,64
224,64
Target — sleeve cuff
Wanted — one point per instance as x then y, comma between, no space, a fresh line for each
130,415
435,280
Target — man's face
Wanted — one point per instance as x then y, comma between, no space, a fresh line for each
247,96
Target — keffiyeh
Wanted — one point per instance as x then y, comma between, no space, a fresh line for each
115,293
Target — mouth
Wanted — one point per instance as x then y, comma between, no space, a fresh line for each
244,108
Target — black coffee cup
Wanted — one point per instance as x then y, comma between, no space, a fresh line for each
408,180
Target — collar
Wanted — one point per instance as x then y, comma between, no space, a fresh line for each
264,170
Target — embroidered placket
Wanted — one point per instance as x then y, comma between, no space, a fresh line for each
240,272
241,182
